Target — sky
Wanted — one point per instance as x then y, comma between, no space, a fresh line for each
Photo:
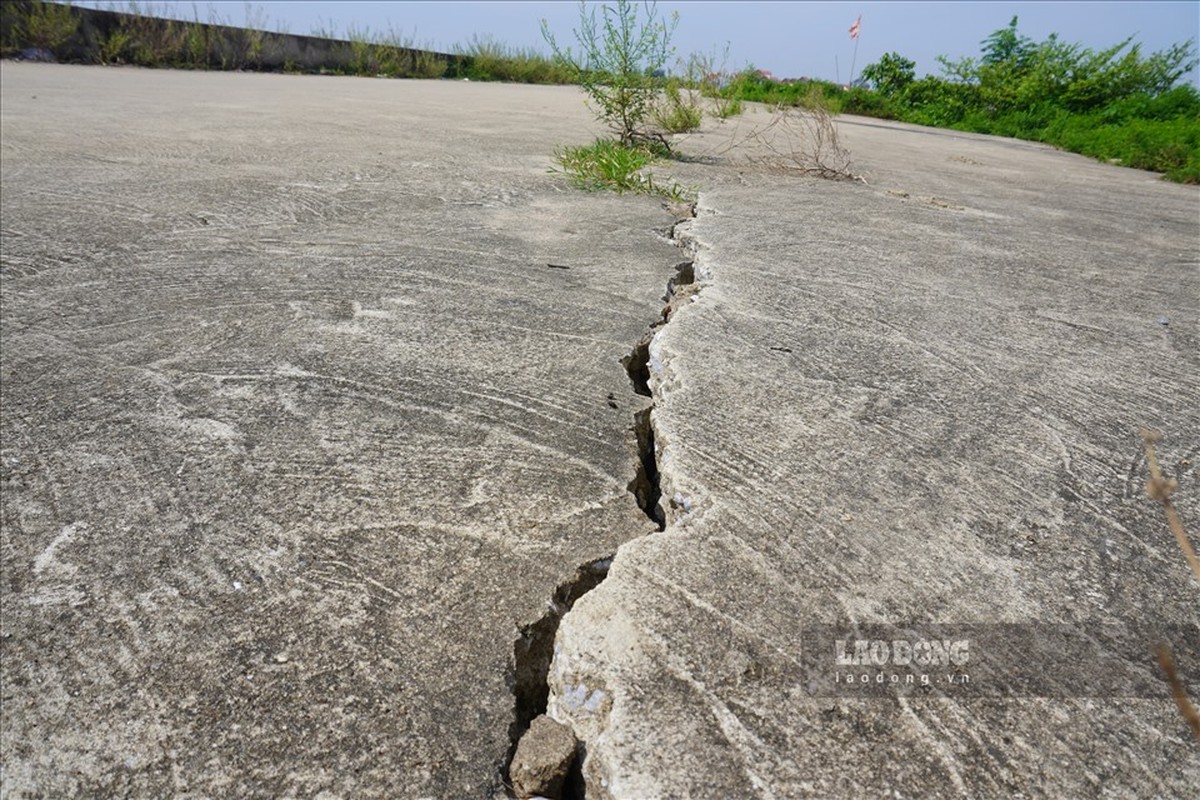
790,39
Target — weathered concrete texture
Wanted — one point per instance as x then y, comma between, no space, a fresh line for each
298,426
914,400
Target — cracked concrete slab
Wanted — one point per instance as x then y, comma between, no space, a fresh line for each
913,402
307,450
299,427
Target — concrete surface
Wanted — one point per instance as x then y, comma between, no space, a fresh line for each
301,436
298,426
912,401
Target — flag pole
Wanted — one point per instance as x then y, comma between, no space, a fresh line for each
855,30
853,60
837,70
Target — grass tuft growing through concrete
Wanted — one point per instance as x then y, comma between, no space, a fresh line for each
607,164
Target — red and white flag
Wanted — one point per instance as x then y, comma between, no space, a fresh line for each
855,27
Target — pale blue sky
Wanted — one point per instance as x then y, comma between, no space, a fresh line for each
791,39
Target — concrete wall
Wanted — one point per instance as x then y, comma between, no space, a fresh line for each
199,44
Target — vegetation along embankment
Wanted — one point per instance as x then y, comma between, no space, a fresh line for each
1116,104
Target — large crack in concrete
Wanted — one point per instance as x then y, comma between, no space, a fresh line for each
646,484
533,649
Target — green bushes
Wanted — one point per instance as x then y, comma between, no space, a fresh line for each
392,55
140,34
751,86
727,105
1168,146
144,40
754,86
868,104
1113,104
678,110
44,25
489,60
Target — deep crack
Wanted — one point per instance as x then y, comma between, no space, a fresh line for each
533,650
637,365
645,484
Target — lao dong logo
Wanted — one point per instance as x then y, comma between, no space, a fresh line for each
902,653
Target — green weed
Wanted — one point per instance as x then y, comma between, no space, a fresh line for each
393,55
725,107
46,25
365,61
485,59
196,50
620,56
112,48
609,165
677,111
706,74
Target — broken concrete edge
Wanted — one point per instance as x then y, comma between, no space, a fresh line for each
534,647
533,650
681,503
658,494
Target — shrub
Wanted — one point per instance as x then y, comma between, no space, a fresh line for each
392,55
196,49
1168,146
868,104
364,59
489,60
1113,104
143,40
619,58
750,86
677,111
727,106
45,25
113,47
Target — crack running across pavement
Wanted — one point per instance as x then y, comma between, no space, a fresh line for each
533,649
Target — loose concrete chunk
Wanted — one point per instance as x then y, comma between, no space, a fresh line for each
544,757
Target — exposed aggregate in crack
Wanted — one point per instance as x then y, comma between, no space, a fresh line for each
533,650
